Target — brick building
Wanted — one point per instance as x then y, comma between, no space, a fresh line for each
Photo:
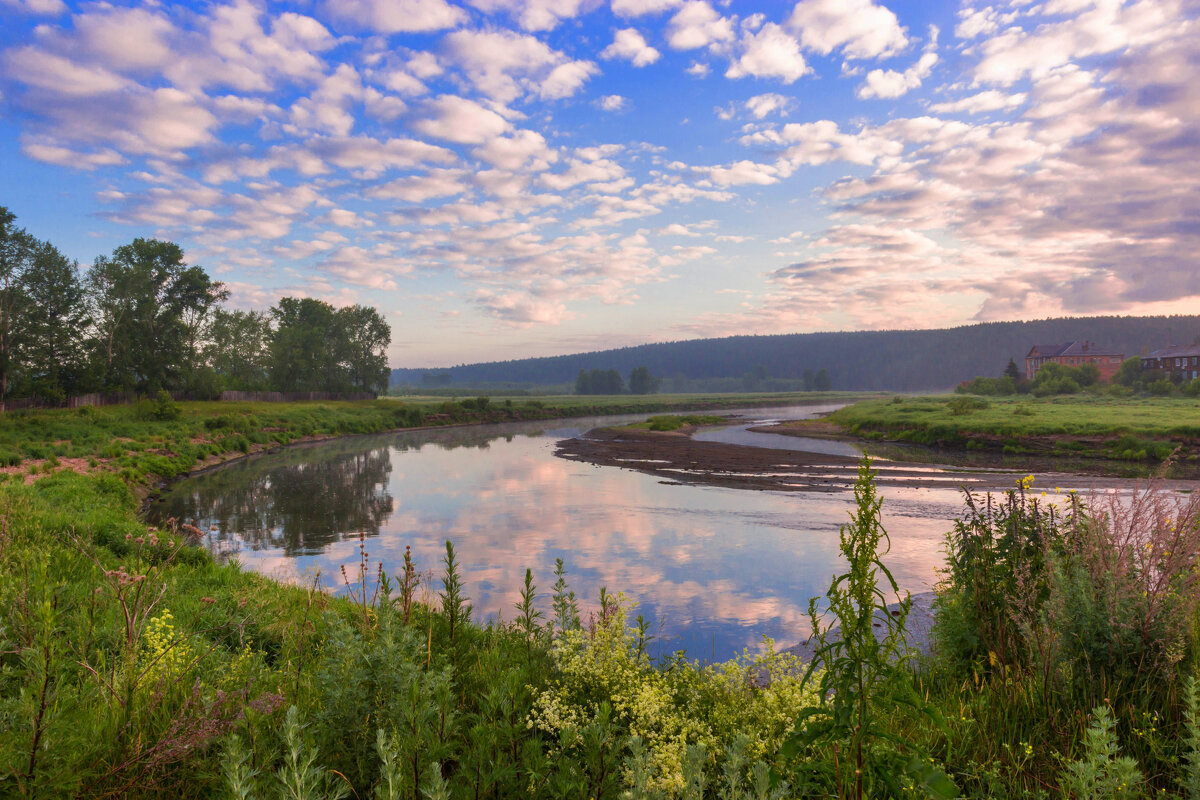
1177,361
1074,354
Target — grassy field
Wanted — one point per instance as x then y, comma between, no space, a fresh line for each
1142,429
152,441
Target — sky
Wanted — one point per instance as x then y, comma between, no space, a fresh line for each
513,178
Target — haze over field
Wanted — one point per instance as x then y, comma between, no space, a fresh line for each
510,178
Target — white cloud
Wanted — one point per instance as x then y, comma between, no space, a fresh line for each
537,15
990,100
769,53
457,119
419,188
639,8
629,45
523,147
696,24
1105,28
741,173
37,6
578,172
60,75
612,102
505,65
763,105
699,69
328,108
890,84
566,79
396,16
861,28
65,157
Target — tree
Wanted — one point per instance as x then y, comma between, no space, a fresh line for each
16,249
810,380
301,355
1012,370
148,307
583,383
365,337
49,344
642,382
238,348
822,381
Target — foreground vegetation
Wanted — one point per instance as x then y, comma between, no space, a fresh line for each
1128,429
133,665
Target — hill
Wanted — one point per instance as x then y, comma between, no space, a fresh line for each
900,360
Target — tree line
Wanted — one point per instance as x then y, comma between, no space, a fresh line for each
609,381
143,320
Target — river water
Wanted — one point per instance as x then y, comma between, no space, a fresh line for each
712,569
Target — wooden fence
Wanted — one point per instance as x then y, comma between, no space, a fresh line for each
129,398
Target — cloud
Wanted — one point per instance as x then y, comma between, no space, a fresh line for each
457,119
505,65
613,102
537,15
523,148
434,184
891,84
39,7
859,27
990,100
66,157
1104,28
769,53
629,45
395,16
640,8
696,25
763,105
741,173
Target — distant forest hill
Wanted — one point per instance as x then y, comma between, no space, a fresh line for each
858,360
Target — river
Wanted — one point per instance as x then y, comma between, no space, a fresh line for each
712,569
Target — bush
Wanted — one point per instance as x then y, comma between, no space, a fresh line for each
965,405
1161,387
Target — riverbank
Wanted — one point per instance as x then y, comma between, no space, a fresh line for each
1146,431
151,442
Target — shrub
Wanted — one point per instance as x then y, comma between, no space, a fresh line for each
965,405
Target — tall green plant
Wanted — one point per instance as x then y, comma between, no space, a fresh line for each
455,607
864,681
566,610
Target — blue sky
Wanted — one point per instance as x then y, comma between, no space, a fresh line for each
506,178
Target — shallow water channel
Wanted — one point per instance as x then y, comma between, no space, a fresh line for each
713,569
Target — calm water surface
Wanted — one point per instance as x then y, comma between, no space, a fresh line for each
714,569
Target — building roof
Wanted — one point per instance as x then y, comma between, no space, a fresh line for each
1175,351
1075,348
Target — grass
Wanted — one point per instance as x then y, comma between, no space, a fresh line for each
143,445
1143,429
674,422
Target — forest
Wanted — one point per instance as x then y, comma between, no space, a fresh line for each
855,360
144,320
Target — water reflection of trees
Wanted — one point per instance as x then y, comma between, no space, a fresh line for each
298,501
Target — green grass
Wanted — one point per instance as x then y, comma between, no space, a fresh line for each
1121,429
673,422
131,442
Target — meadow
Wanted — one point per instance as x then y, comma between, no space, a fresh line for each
1130,429
134,665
